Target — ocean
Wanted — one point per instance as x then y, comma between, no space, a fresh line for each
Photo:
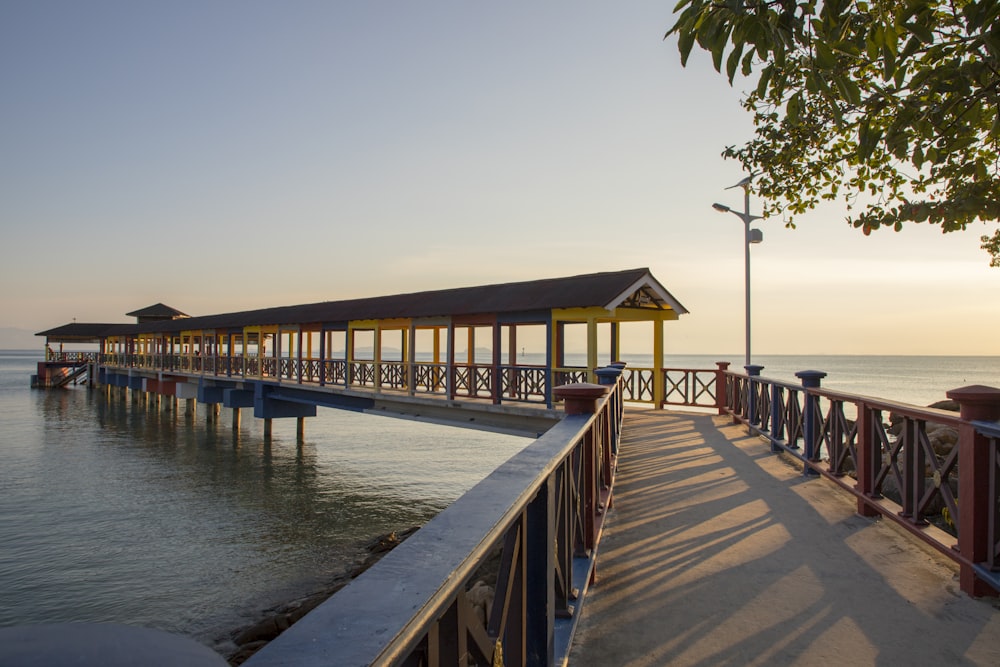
114,511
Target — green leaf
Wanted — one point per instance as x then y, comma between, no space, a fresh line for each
793,107
765,79
734,61
824,56
922,32
685,41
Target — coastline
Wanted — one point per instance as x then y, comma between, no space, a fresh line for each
239,644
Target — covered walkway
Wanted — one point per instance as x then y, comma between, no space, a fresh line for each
718,552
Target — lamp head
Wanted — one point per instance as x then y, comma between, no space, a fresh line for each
722,208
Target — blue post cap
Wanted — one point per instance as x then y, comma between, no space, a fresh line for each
753,369
618,364
607,375
810,378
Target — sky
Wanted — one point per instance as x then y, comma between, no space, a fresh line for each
232,155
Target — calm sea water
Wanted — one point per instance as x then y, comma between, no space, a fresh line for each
116,511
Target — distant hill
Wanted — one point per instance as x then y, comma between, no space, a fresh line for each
20,339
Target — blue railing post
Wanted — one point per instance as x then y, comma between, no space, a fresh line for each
810,380
776,417
753,386
609,375
540,576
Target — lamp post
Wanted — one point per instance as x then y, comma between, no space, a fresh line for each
749,236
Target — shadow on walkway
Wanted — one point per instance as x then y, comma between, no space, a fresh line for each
718,552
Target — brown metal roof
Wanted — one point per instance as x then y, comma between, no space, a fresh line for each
604,290
157,310
85,332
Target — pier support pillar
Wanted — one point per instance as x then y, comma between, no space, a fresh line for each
236,419
300,429
190,406
268,428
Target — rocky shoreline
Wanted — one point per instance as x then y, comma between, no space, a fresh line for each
250,639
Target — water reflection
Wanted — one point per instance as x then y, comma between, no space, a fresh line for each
121,509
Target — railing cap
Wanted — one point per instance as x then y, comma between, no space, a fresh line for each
581,398
977,402
608,375
753,369
810,378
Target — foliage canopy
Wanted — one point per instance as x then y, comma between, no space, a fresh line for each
892,106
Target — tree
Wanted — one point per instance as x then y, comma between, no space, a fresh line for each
892,106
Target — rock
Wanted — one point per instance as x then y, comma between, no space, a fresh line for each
245,651
389,541
264,630
279,619
942,439
896,422
480,596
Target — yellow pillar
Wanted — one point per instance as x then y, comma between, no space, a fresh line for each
658,388
378,357
591,349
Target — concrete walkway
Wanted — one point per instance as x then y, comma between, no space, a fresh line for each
717,552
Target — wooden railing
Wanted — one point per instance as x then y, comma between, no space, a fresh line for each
935,472
529,532
507,382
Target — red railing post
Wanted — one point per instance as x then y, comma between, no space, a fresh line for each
865,444
720,386
976,403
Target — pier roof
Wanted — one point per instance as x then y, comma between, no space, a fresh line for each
85,332
634,288
157,312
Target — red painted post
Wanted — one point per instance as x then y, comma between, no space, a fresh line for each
868,460
976,403
720,386
581,398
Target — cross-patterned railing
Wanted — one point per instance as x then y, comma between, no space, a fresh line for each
529,533
899,460
507,382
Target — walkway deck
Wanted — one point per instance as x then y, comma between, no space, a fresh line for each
718,552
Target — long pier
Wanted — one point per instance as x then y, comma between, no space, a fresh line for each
531,532
457,355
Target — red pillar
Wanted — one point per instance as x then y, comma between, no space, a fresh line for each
976,403
720,386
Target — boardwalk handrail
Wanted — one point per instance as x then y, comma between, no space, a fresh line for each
934,472
531,528
523,383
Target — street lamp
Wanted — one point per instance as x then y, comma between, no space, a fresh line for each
749,236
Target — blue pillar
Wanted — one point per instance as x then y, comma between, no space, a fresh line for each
322,357
753,388
776,420
810,380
